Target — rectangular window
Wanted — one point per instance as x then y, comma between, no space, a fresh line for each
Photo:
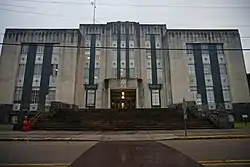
132,73
148,54
204,48
220,49
226,95
155,94
223,69
191,69
86,75
54,69
189,49
114,72
210,96
18,95
38,69
159,76
34,96
24,49
194,94
192,80
97,75
21,70
149,75
51,96
40,49
90,98
123,72
224,80
207,69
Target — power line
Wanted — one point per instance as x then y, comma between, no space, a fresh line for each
15,5
39,13
54,2
136,48
35,13
137,5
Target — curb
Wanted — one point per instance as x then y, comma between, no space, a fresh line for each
35,165
224,162
46,139
213,137
96,140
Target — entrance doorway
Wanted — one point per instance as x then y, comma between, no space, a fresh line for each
123,98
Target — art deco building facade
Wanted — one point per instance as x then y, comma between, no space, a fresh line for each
122,65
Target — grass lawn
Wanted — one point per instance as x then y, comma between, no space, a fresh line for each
5,127
241,125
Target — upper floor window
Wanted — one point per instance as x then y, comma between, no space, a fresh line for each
24,49
18,95
189,48
220,49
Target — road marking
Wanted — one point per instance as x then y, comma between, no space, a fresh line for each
225,162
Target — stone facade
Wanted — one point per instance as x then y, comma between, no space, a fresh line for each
82,66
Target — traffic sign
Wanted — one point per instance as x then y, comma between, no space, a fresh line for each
184,106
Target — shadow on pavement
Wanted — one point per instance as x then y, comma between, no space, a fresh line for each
133,154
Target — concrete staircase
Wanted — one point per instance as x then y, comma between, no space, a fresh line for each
120,119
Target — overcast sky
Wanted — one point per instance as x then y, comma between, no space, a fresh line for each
174,13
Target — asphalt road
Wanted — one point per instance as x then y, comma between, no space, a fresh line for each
220,149
65,152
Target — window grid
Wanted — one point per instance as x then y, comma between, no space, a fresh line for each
38,69
18,95
90,98
21,70
86,75
159,65
132,71
97,75
24,49
189,49
155,98
114,62
34,97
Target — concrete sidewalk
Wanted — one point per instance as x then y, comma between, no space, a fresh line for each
123,135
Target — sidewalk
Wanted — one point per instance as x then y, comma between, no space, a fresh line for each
123,135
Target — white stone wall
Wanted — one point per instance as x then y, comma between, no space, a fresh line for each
66,67
177,39
9,61
70,79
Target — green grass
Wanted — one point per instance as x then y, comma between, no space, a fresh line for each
6,127
241,125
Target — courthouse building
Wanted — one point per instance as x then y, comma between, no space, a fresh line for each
122,65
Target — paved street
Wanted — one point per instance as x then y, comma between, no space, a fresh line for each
68,152
119,135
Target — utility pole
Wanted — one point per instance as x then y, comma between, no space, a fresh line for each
94,10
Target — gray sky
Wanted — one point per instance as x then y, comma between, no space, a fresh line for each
195,14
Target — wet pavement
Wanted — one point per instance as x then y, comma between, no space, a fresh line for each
117,135
165,152
133,154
